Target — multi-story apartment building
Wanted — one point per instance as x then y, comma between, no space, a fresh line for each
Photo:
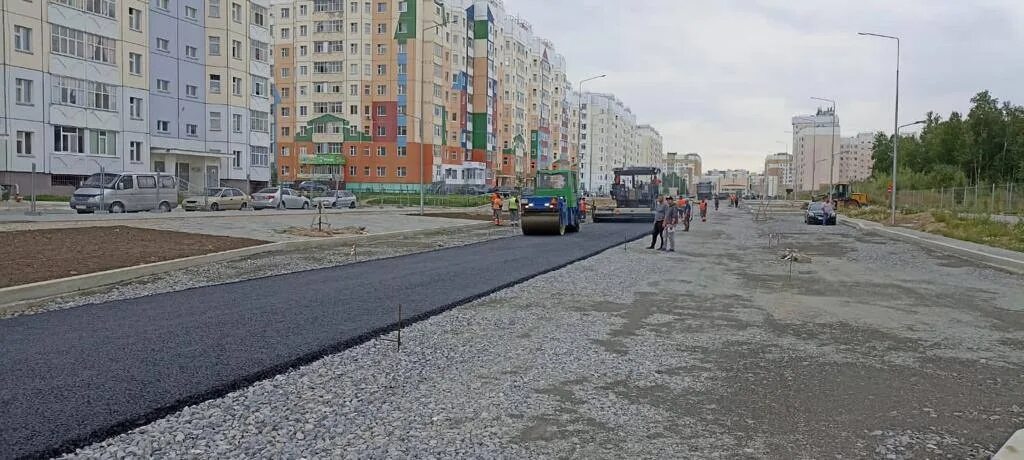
356,79
815,138
855,162
129,85
651,151
688,167
607,139
778,170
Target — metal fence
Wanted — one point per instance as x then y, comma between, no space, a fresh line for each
983,199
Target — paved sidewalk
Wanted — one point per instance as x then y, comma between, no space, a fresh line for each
1002,258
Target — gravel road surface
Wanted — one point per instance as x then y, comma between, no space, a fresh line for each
77,375
874,349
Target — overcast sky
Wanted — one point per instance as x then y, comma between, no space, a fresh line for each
723,77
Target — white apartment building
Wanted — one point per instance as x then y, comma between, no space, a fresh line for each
651,151
815,138
855,162
607,139
778,169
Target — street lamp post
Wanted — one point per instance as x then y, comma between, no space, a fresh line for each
579,131
832,163
895,121
423,98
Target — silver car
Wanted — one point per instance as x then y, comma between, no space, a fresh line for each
337,199
280,198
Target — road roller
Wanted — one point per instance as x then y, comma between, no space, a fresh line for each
554,206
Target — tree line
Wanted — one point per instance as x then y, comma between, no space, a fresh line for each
985,146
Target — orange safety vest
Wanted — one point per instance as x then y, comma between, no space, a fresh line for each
495,202
703,205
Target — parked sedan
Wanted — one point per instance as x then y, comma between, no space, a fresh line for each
217,198
280,198
337,199
816,215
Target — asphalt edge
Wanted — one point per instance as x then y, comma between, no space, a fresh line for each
14,296
70,446
1013,449
992,260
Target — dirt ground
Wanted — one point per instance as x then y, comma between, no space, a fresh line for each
40,255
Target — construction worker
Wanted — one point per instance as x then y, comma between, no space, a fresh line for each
496,203
669,233
660,208
703,206
687,213
716,202
583,209
513,209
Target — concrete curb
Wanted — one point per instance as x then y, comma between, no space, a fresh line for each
993,260
10,296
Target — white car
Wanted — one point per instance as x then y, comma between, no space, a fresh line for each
337,199
280,198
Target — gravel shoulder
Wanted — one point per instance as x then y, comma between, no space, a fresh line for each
875,348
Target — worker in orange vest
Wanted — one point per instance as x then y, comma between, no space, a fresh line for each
583,209
496,208
703,209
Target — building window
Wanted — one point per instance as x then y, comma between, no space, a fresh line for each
163,4
259,15
382,131
163,126
163,44
382,69
23,91
260,50
286,93
284,13
286,131
215,121
236,86
135,19
382,151
22,39
236,159
352,171
214,83
382,7
82,45
382,90
286,112
191,130
382,29
103,142
135,151
259,155
402,130
303,31
190,12
135,107
401,172
214,8
135,63
236,122
67,139
191,52
236,13
259,86
163,86
191,91
214,45
284,51
382,171
258,121
303,110
23,145
285,151
236,49
382,111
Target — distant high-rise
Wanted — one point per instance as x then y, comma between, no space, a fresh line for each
814,137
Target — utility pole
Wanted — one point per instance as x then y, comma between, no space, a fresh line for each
895,121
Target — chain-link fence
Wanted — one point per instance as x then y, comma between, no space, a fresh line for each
980,199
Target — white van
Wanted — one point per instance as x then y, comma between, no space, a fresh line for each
126,192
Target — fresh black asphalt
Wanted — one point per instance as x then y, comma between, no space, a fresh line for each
76,376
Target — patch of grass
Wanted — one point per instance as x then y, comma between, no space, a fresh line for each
872,213
49,198
981,230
